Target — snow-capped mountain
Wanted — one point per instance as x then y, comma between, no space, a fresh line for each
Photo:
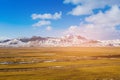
65,41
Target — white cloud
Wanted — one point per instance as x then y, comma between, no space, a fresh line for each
72,29
72,1
86,7
80,10
48,28
47,16
45,19
3,38
42,23
100,26
109,18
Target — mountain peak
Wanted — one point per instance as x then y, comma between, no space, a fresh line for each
67,40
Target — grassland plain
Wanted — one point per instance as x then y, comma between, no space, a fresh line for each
66,63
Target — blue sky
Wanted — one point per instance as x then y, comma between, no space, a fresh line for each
60,17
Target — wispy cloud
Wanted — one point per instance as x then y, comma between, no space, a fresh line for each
48,28
3,38
47,16
45,19
42,23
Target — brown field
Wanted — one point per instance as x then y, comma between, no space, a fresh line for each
60,63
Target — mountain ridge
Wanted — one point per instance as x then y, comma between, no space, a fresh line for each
64,41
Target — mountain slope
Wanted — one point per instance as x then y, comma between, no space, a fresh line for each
68,40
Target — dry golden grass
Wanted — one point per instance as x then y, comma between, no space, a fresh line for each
65,63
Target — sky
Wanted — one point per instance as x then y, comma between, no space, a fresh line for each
94,19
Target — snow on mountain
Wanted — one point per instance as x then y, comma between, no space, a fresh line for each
65,41
12,43
115,43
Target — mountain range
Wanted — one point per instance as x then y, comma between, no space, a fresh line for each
65,41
